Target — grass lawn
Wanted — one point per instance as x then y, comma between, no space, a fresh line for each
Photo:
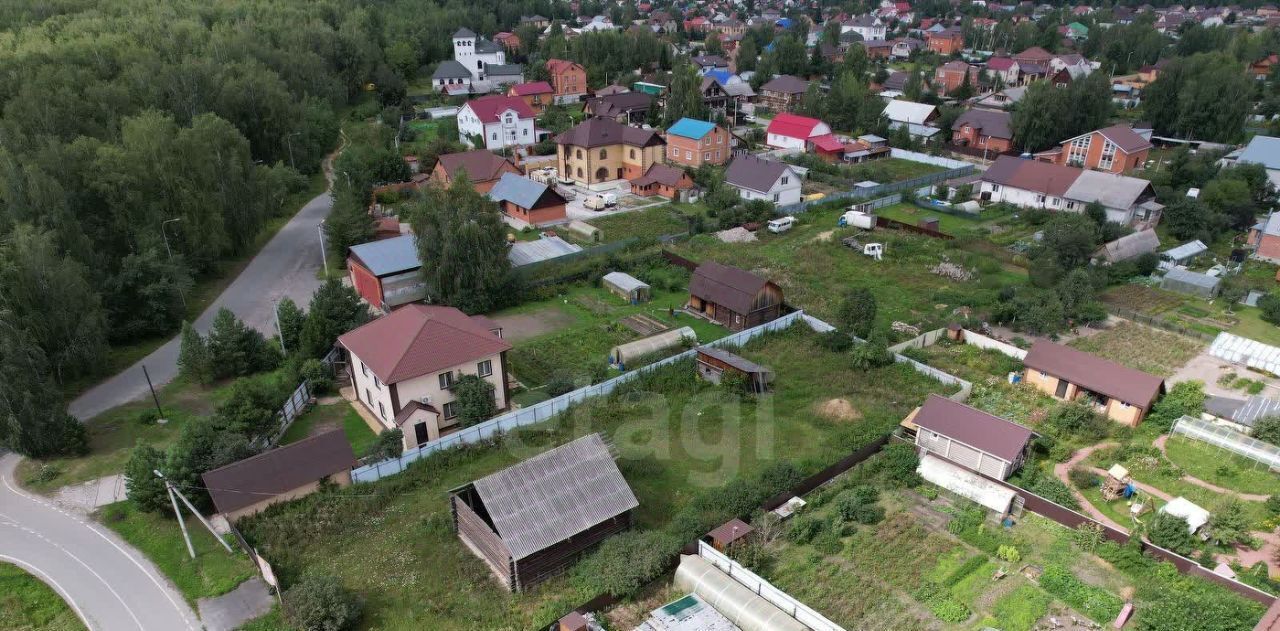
393,542
649,223
27,604
951,224
815,269
1141,347
272,621
1201,315
965,361
213,572
1220,467
323,417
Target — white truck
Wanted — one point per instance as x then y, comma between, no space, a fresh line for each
857,219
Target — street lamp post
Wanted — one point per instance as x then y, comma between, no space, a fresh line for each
166,235
279,330
324,256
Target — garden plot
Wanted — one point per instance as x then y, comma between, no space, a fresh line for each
965,361
646,223
643,324
1140,347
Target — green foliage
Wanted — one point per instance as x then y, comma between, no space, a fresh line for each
1087,536
236,349
1170,532
201,446
960,573
321,603
475,400
1185,398
195,362
624,563
835,341
317,374
463,248
1269,304
1077,420
1228,523
896,465
35,423
291,319
334,310
144,489
1008,554
1046,113
1095,602
856,313
941,603
685,97
1199,97
859,504
390,444
251,407
871,354
805,528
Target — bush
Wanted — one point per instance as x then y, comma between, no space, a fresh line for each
1087,536
805,528
941,603
318,375
896,465
560,383
835,341
1083,478
390,444
1077,420
872,354
475,400
1171,533
321,603
624,563
965,569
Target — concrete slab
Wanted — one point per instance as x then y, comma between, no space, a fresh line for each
227,612
88,496
1207,368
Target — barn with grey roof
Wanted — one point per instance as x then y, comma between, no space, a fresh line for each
530,521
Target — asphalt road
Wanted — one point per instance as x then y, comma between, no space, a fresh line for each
286,266
108,584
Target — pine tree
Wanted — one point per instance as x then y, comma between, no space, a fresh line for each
194,360
144,489
335,309
291,322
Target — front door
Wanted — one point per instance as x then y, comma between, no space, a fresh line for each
1062,389
420,433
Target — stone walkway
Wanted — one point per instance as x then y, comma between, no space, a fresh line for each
227,612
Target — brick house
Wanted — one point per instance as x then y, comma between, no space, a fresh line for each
600,150
670,182
568,79
950,76
692,143
483,168
990,130
1115,149
945,42
1264,238
536,94
531,203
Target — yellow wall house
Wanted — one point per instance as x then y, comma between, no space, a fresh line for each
602,150
1121,393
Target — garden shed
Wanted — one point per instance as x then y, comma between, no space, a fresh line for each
625,353
529,521
714,362
626,286
1186,281
733,297
1128,247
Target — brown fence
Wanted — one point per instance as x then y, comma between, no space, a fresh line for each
822,477
679,261
885,222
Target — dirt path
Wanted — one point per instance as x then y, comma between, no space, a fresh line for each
1159,443
1060,471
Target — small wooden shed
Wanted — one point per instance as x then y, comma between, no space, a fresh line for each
713,362
530,521
626,286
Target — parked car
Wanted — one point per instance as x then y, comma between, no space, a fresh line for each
595,202
610,199
781,224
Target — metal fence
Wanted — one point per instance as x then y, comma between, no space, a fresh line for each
551,407
882,190
764,589
293,407
1158,323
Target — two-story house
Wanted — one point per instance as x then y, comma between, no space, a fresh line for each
761,178
475,53
536,94
951,75
867,26
989,130
403,367
692,143
783,93
1114,149
499,120
600,150
945,42
624,107
569,80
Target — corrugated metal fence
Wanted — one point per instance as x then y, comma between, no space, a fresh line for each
547,409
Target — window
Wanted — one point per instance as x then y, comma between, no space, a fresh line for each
1078,150
485,368
1044,375
524,132
1071,205
603,154
775,198
368,397
717,154
688,155
785,180
995,188
364,370
446,380
382,411
675,153
579,156
451,409
377,383
1108,155
706,155
1040,199
632,154
495,135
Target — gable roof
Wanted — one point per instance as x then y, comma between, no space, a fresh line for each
531,88
521,191
786,84
612,105
691,128
908,111
556,66
993,123
1031,175
555,495
1001,438
727,286
794,126
1108,189
481,165
1000,64
418,339
1094,373
754,173
490,108
450,69
1122,136
601,132
666,175
388,256
1264,150
279,471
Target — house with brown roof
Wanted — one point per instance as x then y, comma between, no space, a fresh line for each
733,297
970,437
600,150
989,130
403,367
625,107
285,473
761,178
1034,184
1118,392
569,79
536,94
951,75
670,182
482,167
945,42
529,522
783,93
1114,149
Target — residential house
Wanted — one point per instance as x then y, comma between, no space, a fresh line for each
725,97
569,80
710,62
1261,69
1114,149
866,26
878,48
945,42
1034,55
1075,65
692,143
536,94
1002,99
734,297
1005,69
503,75
1264,238
791,131
951,75
285,473
783,93
476,53
528,202
481,166
867,147
387,272
626,108
1118,392
535,20
916,117
451,77
509,41
970,437
500,121
600,150
903,47
403,367
530,521
762,178
1034,184
988,130
1263,150
667,181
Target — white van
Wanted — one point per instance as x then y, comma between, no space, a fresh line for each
781,224
610,199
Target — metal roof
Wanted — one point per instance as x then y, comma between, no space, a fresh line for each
272,473
1130,246
450,69
521,191
1264,150
1185,251
691,128
624,281
555,495
389,256
741,363
1095,373
1001,438
1108,189
526,252
908,112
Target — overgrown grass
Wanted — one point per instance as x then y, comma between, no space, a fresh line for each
966,361
213,572
676,437
28,604
1220,467
339,415
649,223
1141,347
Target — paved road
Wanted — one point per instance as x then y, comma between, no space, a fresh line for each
287,266
108,584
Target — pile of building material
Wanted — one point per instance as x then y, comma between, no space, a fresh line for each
736,235
947,269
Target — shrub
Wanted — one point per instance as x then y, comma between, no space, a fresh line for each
1008,554
475,400
828,542
318,375
805,528
624,563
321,603
1087,536
1273,504
1078,420
1171,533
835,341
896,464
872,354
1083,478
869,514
560,383
389,445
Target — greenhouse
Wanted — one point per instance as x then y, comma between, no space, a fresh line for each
1228,440
626,286
623,354
1187,282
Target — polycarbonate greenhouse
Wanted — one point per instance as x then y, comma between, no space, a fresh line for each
1228,440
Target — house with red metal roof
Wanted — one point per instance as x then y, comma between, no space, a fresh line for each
1118,392
500,121
569,80
404,365
970,437
792,131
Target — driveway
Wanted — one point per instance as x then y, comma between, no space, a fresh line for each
108,584
287,266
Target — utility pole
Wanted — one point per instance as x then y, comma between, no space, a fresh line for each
155,398
279,331
324,256
182,524
168,485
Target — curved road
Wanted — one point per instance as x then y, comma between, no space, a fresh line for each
108,584
287,266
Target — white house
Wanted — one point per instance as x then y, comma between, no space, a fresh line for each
475,52
916,117
760,178
868,26
792,131
404,366
1034,184
503,121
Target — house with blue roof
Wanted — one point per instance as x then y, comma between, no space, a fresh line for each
528,202
692,143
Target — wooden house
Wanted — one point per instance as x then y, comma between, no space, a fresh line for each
530,521
733,297
713,363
